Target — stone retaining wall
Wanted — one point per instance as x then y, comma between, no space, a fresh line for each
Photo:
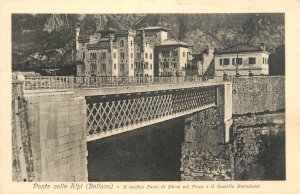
56,130
205,150
204,154
22,165
259,146
258,94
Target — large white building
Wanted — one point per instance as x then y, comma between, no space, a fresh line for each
250,59
171,58
107,53
145,53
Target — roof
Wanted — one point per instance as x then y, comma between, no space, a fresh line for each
106,32
98,46
149,28
197,56
83,38
241,49
173,42
124,32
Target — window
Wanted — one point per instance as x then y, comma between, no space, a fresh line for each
94,67
146,65
151,66
122,43
83,55
115,55
131,65
122,55
183,54
221,62
252,60
115,66
146,55
139,55
150,55
103,67
239,61
175,65
166,54
131,55
130,43
103,55
166,65
122,66
93,56
175,53
226,61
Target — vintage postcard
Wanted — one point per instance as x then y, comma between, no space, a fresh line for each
149,96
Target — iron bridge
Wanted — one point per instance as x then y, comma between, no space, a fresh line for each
112,114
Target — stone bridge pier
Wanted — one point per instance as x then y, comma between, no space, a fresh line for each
206,148
51,129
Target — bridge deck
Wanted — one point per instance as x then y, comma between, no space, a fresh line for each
137,89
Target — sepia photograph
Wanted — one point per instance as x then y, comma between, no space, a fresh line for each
110,97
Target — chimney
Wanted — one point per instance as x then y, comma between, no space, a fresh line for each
207,49
263,46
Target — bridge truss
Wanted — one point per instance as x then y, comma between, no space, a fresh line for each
113,114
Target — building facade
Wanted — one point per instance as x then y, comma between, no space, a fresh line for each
145,53
107,53
242,59
200,63
147,38
143,56
171,58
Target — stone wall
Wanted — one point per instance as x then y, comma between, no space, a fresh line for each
56,130
204,154
22,165
205,150
259,146
258,132
258,94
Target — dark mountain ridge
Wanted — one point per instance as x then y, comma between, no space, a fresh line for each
47,40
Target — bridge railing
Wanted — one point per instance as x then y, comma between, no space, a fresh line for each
48,82
68,82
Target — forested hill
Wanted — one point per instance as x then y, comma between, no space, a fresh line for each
48,39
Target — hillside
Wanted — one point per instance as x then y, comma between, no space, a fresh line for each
40,40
